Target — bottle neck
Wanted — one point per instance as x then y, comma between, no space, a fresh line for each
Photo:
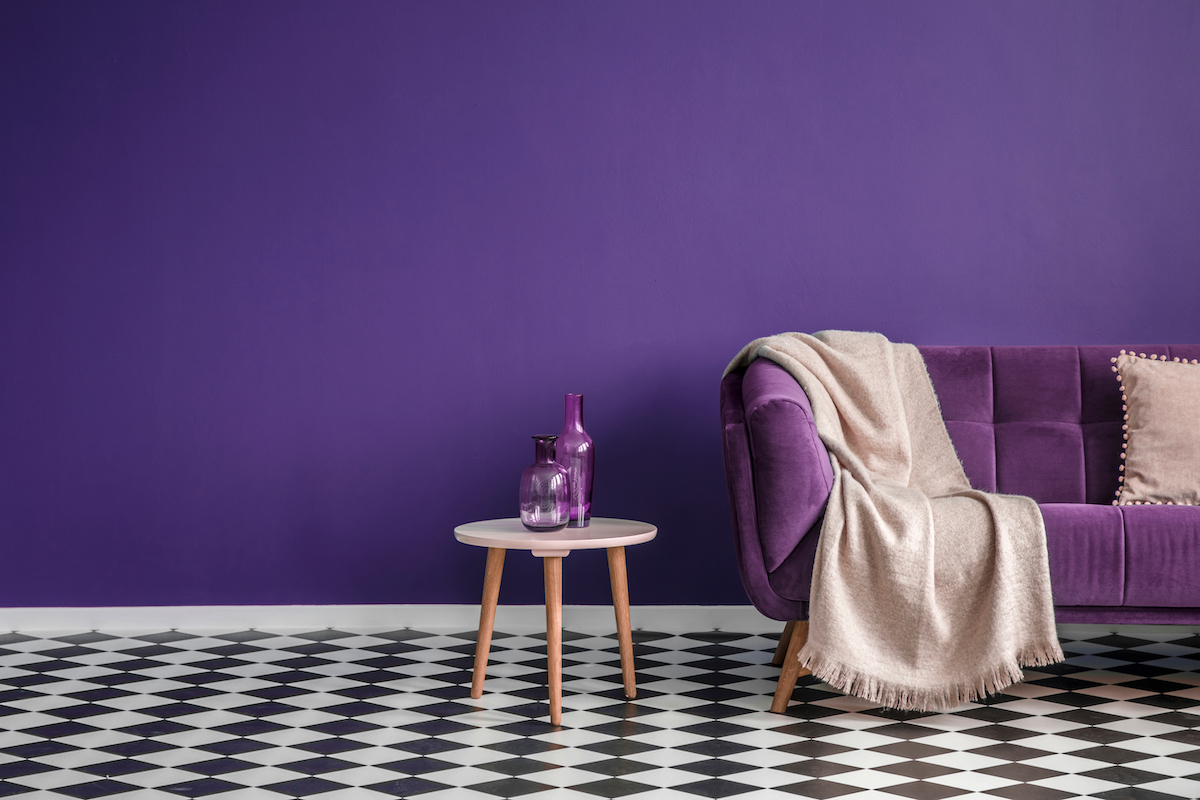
543,448
574,412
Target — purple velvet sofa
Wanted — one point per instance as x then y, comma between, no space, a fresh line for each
1038,421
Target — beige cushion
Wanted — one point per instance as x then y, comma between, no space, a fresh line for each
1161,456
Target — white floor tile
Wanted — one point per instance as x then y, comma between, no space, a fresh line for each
1077,784
667,757
1172,767
1179,787
973,781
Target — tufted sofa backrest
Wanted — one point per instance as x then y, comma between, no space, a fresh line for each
1038,421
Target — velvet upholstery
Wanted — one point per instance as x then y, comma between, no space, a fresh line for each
1039,421
1161,543
793,476
1087,553
740,483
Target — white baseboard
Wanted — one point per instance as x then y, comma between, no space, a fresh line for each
509,618
598,619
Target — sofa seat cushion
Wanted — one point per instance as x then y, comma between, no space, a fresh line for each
1162,556
1136,556
1086,546
1104,556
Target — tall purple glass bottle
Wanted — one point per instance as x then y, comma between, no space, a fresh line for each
575,453
544,490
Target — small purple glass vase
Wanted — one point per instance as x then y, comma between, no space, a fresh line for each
544,490
576,454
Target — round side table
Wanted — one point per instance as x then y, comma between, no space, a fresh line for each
500,535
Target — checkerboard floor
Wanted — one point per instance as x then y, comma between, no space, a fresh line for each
361,714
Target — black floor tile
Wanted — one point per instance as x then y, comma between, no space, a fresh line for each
407,787
19,769
612,788
418,766
1135,793
117,768
816,768
714,787
510,787
303,787
218,766
101,788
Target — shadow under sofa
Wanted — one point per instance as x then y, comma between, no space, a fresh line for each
1044,422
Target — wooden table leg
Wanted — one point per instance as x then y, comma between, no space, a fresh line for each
620,594
552,569
487,617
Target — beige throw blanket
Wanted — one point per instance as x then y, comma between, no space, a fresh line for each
926,593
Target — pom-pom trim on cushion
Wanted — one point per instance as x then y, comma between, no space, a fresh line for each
1125,431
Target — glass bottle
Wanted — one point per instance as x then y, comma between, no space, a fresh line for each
544,490
576,454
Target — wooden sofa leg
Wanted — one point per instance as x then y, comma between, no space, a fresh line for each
784,638
791,666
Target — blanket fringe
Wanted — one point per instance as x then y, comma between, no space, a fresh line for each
912,698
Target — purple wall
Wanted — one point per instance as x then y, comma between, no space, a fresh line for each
286,287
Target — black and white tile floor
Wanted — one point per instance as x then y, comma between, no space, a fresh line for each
362,714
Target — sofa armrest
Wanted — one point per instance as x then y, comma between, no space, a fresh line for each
740,479
792,472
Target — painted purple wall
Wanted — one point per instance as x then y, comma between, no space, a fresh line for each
286,287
